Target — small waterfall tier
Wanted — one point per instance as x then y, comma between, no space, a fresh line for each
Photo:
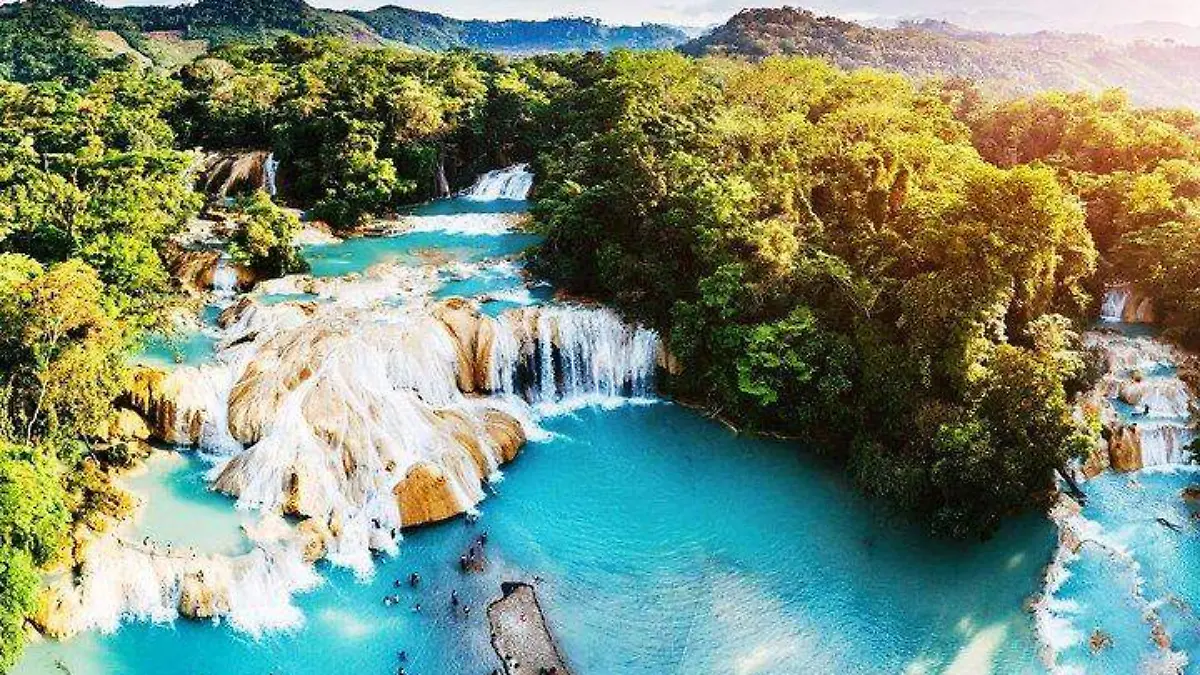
1122,304
224,278
510,183
1144,406
371,414
555,356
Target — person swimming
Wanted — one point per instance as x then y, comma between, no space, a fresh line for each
414,579
454,598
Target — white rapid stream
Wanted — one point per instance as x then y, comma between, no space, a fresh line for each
1146,412
374,408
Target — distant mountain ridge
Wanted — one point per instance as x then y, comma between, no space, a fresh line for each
218,21
436,31
1152,73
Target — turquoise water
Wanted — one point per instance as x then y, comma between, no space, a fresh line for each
188,346
180,509
356,255
661,543
666,544
1166,569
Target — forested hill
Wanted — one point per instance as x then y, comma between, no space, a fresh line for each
1152,73
435,31
157,31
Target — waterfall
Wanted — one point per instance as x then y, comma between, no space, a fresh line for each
572,356
1164,444
440,184
122,579
1142,398
225,278
1113,309
511,183
270,169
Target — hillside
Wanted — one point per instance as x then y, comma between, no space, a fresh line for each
428,30
1152,73
156,30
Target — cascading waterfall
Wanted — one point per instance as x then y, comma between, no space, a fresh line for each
1096,579
511,183
225,279
1113,309
270,171
572,356
124,579
368,410
1143,396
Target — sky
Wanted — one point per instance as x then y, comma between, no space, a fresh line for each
1001,15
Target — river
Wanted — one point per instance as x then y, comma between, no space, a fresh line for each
660,541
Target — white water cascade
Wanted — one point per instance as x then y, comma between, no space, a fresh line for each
570,356
224,279
270,171
510,183
1142,399
1145,409
329,411
1113,309
372,408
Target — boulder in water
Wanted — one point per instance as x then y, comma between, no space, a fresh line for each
1125,449
426,496
202,597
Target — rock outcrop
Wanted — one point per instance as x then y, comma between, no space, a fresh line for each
124,425
202,597
1125,449
520,634
226,174
474,336
196,269
155,395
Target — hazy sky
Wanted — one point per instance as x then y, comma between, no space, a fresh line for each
1013,15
